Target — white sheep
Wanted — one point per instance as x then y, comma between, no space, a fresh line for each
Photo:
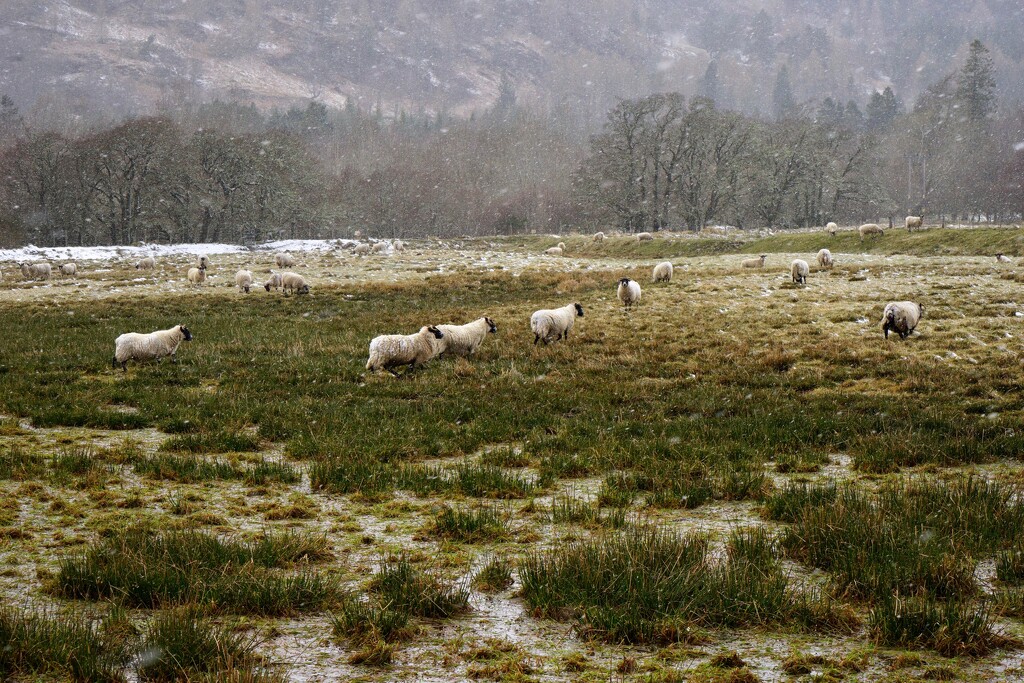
598,236
361,249
662,272
755,262
1002,258
70,268
274,281
379,248
556,251
901,317
295,283
825,258
644,237
283,259
913,222
398,246
35,271
628,292
464,340
243,280
197,275
799,271
204,262
388,351
148,263
556,323
831,228
152,346
870,229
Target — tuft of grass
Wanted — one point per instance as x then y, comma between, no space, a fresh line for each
472,525
194,468
221,441
36,643
154,570
568,508
18,465
495,576
475,479
402,587
951,628
363,622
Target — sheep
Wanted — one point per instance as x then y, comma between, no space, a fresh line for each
662,272
204,262
388,351
556,251
755,262
398,246
152,346
35,271
379,248
870,229
825,258
148,263
800,270
361,249
628,292
1002,258
197,275
913,222
243,280
274,281
464,340
283,259
832,228
69,268
901,317
598,236
295,283
554,322
644,237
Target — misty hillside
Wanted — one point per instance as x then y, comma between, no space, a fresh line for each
134,56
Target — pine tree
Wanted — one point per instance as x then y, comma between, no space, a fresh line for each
709,84
976,90
783,102
883,109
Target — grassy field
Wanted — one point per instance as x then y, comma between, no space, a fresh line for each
739,480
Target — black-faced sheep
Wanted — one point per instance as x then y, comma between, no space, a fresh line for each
662,272
901,317
870,229
35,271
197,276
464,340
825,258
799,271
295,283
913,222
389,351
243,280
628,292
152,346
554,323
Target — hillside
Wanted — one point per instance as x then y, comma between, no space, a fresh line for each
117,56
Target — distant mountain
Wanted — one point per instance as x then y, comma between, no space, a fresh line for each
465,56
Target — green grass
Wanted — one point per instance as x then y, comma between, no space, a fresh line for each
404,588
471,525
195,468
18,465
143,569
40,643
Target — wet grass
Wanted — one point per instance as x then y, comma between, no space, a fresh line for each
143,569
404,588
38,643
194,468
471,525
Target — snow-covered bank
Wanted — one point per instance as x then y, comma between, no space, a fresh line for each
32,252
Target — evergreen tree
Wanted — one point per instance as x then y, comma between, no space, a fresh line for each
976,88
709,83
11,121
783,102
882,110
853,119
830,113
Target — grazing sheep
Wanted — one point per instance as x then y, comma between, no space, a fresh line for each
628,292
464,340
755,262
361,249
556,251
295,283
598,236
662,272
274,281
554,322
197,275
392,350
832,228
825,258
800,270
901,317
644,237
1002,258
398,246
155,345
379,248
283,260
70,268
35,271
870,229
243,280
148,263
914,222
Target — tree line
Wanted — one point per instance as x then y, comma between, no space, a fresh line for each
228,172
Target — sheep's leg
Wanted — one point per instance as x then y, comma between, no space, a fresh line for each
536,338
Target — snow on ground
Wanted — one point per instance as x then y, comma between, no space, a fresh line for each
34,253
